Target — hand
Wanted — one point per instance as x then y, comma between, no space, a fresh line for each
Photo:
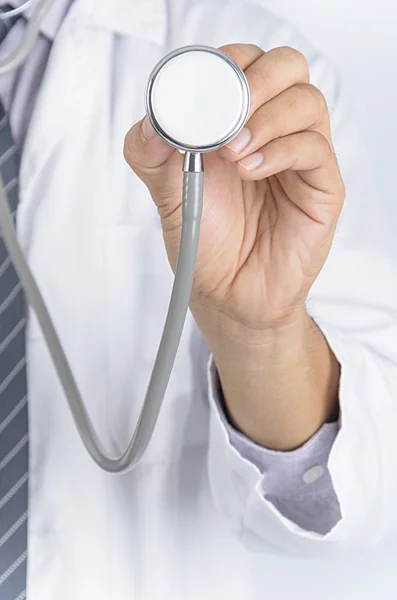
272,197
272,200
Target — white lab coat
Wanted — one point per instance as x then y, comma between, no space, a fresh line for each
190,521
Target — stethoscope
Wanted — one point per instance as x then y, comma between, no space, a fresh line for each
197,99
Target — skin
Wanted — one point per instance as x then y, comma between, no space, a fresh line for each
269,217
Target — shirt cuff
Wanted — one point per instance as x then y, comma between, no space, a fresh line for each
298,482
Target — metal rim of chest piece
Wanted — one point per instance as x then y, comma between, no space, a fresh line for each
235,127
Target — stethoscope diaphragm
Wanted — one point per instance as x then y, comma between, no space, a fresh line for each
197,98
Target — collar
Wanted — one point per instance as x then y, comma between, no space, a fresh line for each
145,19
53,19
141,18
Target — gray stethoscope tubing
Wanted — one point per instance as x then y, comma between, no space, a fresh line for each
13,12
17,56
180,296
192,202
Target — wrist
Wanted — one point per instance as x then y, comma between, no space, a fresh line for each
281,386
280,382
240,344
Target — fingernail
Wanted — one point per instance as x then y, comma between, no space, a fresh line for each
241,140
252,161
148,130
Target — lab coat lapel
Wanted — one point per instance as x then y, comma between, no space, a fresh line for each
66,82
64,86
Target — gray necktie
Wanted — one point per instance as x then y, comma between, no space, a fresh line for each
13,393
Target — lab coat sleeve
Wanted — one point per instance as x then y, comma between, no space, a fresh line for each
297,483
354,303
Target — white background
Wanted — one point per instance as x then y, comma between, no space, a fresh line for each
361,38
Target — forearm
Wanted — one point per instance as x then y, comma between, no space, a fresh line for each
280,385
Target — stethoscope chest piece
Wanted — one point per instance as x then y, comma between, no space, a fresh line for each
197,98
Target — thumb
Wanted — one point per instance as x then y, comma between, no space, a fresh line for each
156,163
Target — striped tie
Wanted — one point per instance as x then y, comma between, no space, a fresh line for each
13,399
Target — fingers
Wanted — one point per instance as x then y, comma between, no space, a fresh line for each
147,154
299,108
289,125
243,54
144,149
273,73
156,163
307,152
269,73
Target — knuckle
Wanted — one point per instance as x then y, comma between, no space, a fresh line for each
129,148
232,49
244,53
312,101
318,98
342,191
252,49
242,48
321,142
295,56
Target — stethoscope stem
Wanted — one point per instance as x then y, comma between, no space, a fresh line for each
193,162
